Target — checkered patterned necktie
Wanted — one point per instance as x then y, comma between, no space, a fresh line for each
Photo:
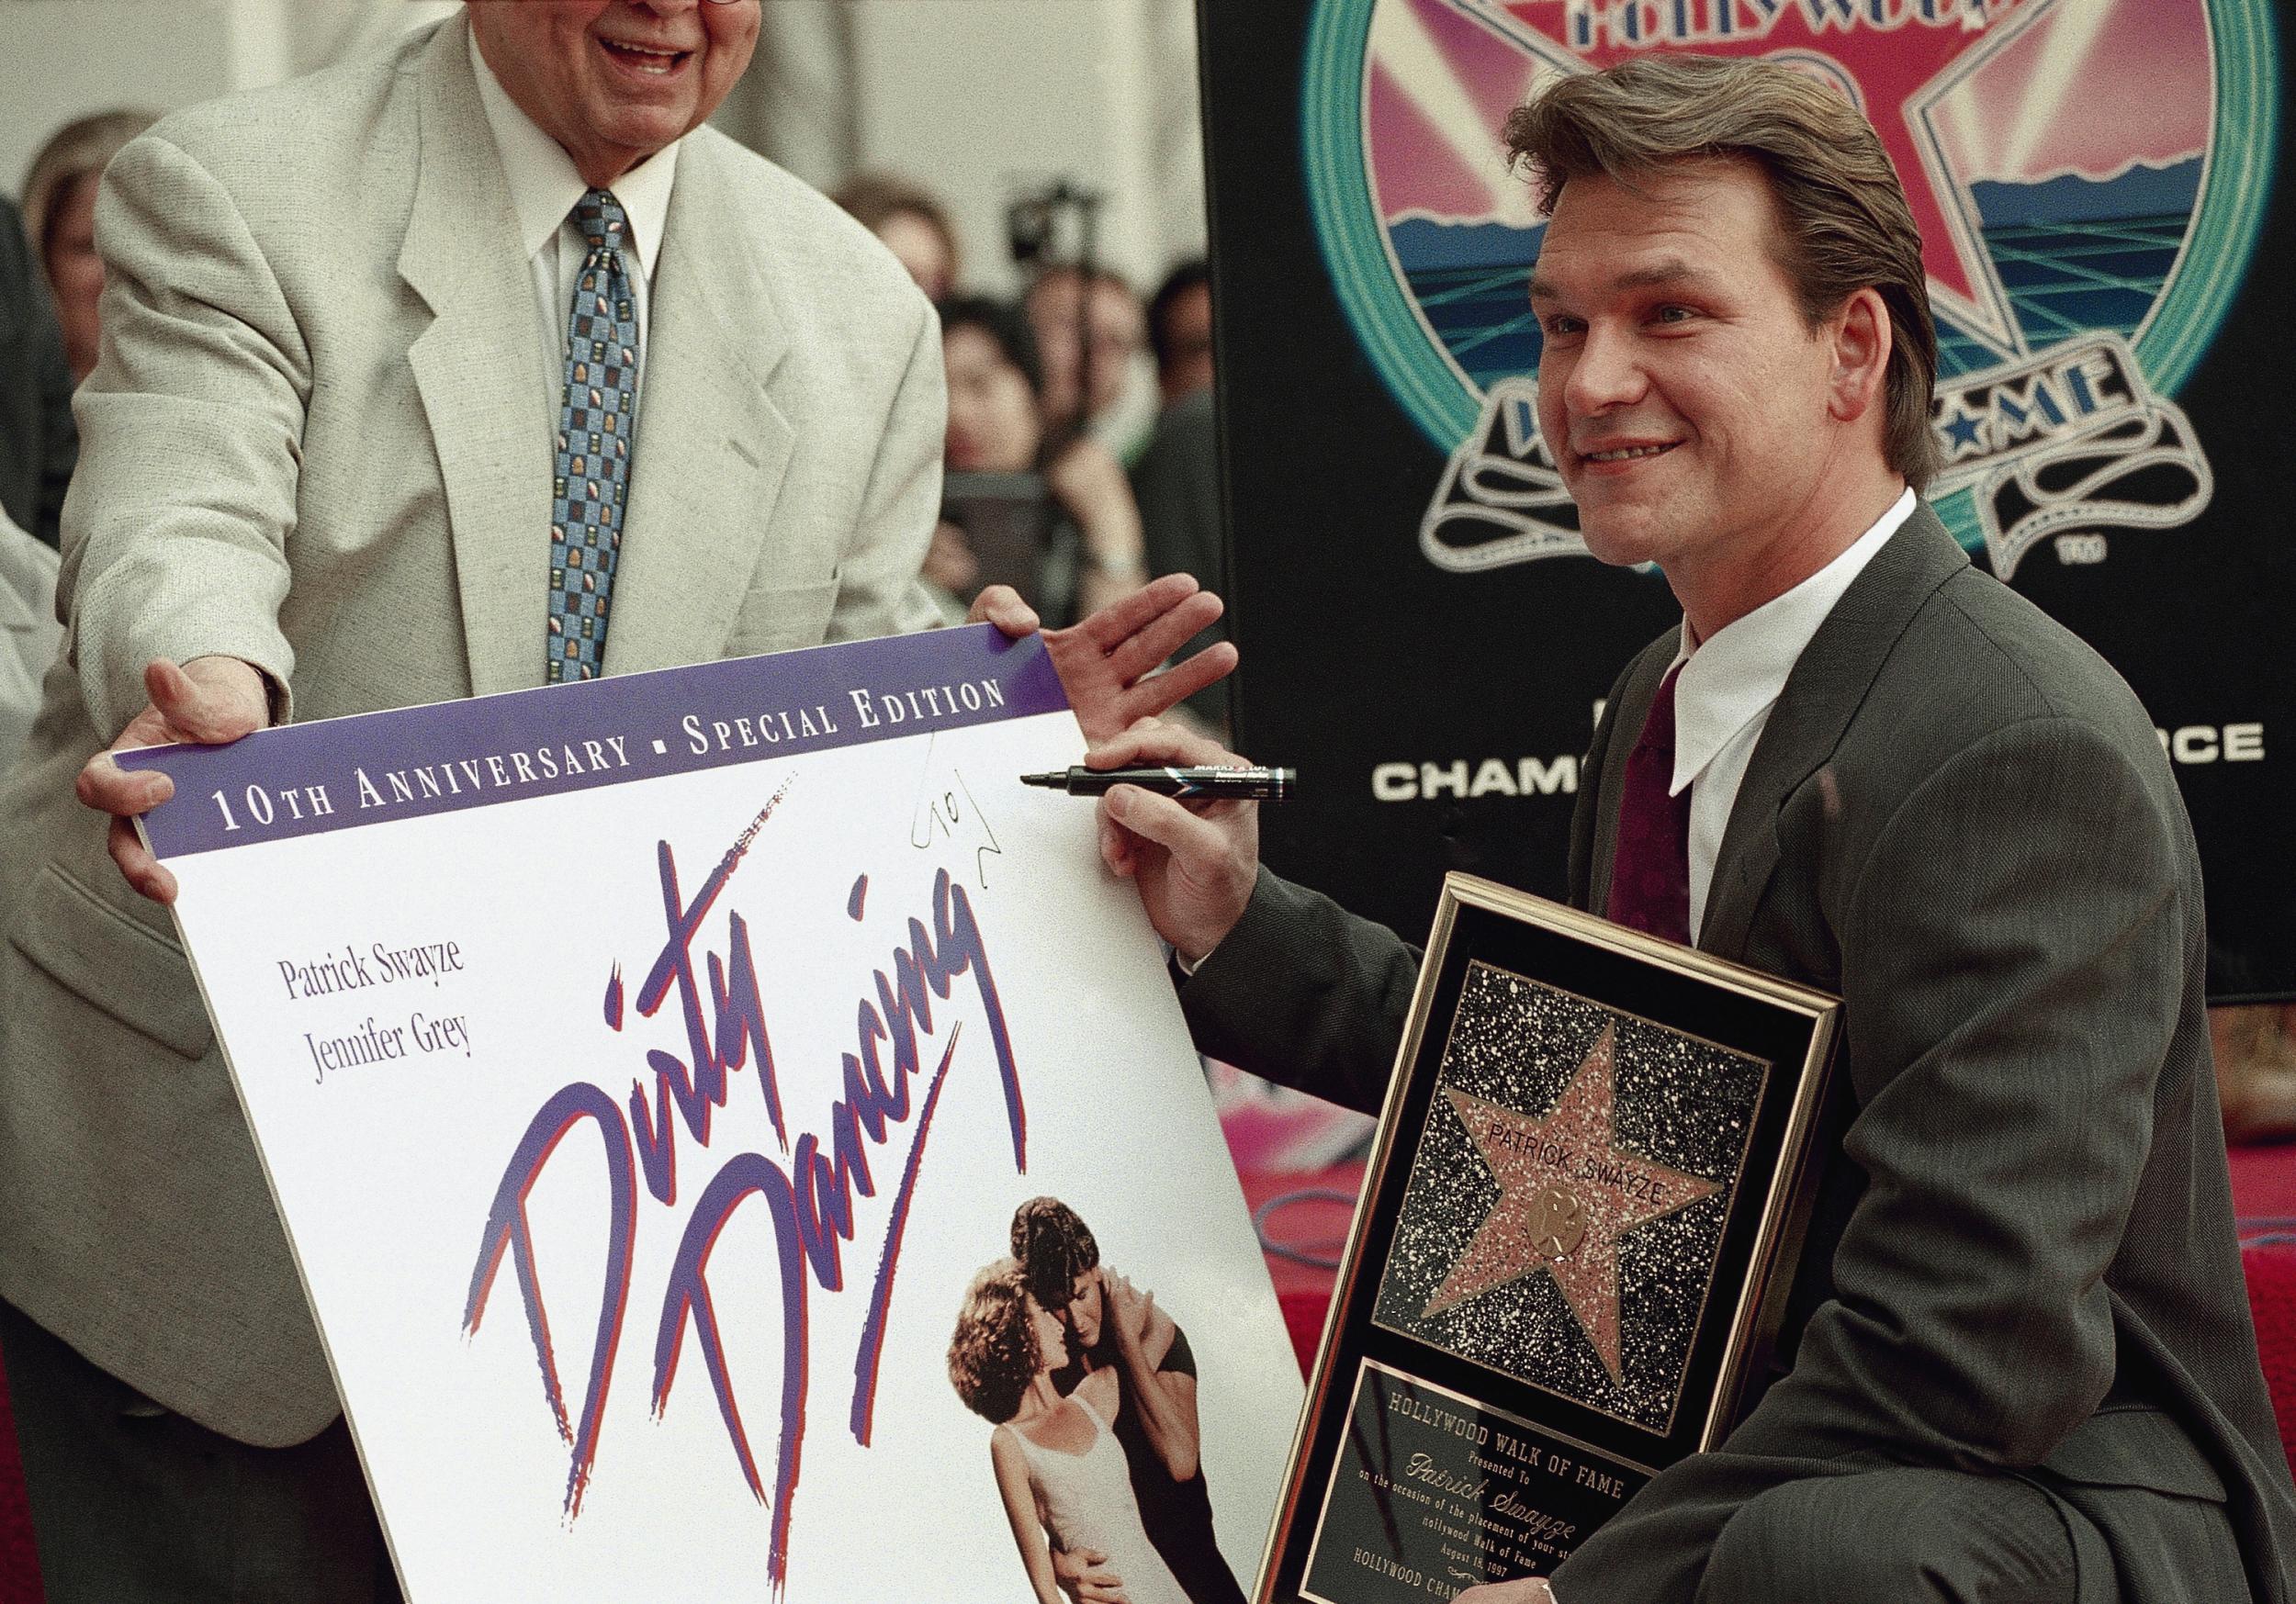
596,424
1649,872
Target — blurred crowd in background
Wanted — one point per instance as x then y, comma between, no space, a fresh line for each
1081,459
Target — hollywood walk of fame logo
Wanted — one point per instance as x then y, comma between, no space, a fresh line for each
2079,260
1563,1219
1567,1192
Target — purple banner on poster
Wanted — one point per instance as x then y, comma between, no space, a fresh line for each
337,774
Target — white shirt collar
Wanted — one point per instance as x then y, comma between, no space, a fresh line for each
1730,681
545,185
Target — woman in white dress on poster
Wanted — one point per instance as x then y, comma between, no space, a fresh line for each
1061,1473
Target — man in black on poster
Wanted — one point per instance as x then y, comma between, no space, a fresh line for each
1059,1259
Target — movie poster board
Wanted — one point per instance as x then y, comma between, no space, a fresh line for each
1423,635
646,1068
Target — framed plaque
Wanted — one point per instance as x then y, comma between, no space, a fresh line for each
1574,1239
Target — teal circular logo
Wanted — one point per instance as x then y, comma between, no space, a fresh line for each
2081,259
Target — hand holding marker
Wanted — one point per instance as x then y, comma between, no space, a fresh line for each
1204,784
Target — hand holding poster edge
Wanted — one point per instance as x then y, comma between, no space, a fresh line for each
1108,661
209,699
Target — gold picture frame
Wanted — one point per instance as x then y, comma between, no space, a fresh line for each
1571,1254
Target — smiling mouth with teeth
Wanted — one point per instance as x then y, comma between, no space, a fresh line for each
1627,454
645,58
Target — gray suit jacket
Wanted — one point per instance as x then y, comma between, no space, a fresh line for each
1959,819
320,439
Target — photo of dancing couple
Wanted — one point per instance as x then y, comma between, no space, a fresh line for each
1091,1387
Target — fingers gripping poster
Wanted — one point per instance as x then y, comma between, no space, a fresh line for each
738,1141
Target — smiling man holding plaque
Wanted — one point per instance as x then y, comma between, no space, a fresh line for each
2016,1362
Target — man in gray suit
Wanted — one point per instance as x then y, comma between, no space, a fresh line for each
476,365
2016,1364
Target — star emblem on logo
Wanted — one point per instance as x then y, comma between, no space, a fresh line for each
1897,75
1567,1192
1963,433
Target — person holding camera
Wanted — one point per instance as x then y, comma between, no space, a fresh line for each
1072,501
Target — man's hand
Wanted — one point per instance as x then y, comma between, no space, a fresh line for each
1128,1308
949,560
1533,1591
1083,1574
1194,862
1091,483
1106,663
214,700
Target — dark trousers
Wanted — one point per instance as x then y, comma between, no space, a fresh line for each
1912,1536
134,1505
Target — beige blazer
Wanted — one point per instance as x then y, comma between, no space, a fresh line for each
319,439
28,632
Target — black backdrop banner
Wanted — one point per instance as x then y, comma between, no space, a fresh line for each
1425,635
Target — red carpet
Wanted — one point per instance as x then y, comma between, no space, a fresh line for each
2264,1193
19,1572
2264,1182
2272,1295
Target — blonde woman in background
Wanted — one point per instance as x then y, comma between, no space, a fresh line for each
914,224
60,215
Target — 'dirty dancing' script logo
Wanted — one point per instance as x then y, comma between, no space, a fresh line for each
808,1189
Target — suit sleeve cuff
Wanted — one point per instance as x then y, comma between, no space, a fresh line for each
169,615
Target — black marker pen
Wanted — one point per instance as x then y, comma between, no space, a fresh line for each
1216,784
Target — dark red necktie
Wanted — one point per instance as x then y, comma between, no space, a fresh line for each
1649,871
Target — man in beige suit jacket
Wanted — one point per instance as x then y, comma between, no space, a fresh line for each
318,470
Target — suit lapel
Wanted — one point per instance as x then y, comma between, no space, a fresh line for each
1828,683
712,448
477,368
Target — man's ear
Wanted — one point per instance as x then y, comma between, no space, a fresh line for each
1859,337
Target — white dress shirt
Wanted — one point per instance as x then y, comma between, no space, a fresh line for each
1728,684
545,188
